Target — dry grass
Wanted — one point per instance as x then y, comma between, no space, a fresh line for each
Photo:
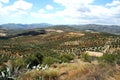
64,71
78,70
117,76
50,74
69,71
31,75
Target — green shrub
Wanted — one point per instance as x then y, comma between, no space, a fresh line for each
66,57
4,58
49,60
19,62
34,59
118,59
111,58
3,68
87,58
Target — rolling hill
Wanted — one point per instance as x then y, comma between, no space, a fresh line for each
113,29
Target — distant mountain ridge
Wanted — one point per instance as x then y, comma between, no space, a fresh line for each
24,26
113,29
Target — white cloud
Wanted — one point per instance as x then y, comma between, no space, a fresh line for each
19,5
41,15
41,11
0,5
73,3
4,1
74,12
70,2
15,12
114,3
49,7
83,11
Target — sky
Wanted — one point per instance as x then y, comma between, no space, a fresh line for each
60,11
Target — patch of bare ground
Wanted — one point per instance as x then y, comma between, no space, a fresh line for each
96,54
75,34
53,30
2,34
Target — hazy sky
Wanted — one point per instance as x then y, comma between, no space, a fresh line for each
60,11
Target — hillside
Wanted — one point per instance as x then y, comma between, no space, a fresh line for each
24,54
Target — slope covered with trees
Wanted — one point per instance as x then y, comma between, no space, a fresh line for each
48,56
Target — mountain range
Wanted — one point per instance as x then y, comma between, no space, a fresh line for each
24,26
113,29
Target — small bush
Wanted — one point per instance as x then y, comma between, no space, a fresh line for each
34,59
20,62
49,60
108,58
66,57
3,68
4,58
87,58
118,58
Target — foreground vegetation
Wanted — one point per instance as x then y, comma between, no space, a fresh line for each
60,56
